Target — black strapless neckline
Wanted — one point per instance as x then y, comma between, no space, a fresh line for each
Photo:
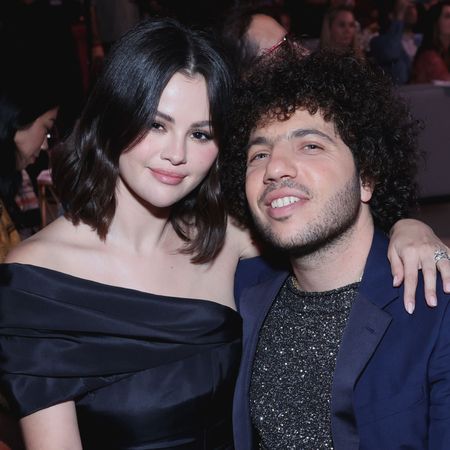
34,270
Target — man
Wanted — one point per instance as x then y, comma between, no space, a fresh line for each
331,359
252,31
396,46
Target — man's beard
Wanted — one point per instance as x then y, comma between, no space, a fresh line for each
335,220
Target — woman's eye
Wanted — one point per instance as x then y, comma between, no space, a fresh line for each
51,133
157,126
201,136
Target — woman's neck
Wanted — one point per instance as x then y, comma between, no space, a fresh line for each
139,227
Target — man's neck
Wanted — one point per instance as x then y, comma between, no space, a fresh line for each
338,264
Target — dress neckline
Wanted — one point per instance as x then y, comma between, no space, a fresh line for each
103,286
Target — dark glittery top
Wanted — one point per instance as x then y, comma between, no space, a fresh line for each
290,389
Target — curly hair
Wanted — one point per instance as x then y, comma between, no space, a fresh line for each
352,94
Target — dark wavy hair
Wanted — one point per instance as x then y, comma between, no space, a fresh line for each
119,113
25,95
352,94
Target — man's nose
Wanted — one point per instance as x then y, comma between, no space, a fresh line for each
280,164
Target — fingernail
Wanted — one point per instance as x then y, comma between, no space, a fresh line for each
433,301
410,308
395,281
447,288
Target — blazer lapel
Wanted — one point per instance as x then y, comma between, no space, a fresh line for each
365,328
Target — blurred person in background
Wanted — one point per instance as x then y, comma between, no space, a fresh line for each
29,102
432,62
339,30
111,19
395,47
42,30
251,31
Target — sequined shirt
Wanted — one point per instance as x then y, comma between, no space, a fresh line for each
290,390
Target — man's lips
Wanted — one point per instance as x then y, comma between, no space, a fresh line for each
283,197
168,177
283,201
280,203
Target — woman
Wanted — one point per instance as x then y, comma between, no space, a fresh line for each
139,344
339,30
432,62
28,110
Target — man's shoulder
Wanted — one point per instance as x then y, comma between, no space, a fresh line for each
262,292
252,272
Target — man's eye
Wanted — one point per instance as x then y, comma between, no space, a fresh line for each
257,157
312,148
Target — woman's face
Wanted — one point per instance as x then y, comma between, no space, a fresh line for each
343,29
178,150
32,139
444,22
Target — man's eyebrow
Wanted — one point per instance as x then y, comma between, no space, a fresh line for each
260,140
201,124
301,132
298,133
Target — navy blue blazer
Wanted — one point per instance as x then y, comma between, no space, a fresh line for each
391,386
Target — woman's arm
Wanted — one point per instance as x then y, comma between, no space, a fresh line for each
54,428
412,248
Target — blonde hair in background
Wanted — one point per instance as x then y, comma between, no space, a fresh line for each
326,40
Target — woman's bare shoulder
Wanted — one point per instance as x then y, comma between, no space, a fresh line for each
46,247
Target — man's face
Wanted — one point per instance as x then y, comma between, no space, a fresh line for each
301,183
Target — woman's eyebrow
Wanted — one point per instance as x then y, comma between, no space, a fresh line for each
200,124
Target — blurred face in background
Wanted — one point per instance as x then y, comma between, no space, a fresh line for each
411,14
34,138
444,22
343,29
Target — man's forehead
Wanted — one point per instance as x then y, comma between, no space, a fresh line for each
271,125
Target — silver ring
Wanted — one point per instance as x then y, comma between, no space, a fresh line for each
439,254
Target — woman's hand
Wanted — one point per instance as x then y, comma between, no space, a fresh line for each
412,247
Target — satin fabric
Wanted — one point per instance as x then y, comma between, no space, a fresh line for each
145,371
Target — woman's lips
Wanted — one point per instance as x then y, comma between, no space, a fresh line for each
166,177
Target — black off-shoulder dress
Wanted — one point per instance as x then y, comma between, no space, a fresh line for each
145,371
